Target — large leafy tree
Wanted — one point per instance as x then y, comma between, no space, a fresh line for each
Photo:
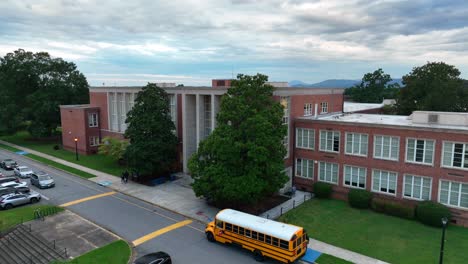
153,143
374,87
435,86
242,160
32,86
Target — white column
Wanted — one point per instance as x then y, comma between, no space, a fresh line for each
197,119
184,134
213,114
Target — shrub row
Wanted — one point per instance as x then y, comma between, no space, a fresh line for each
427,212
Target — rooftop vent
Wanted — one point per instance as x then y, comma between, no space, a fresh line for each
432,118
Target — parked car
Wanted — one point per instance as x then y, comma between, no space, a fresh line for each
11,200
8,164
22,171
154,258
14,184
8,179
42,180
8,190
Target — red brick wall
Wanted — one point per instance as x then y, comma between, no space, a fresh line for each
227,83
435,171
74,126
99,99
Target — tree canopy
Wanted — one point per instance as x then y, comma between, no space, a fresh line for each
242,160
32,86
153,144
374,87
435,86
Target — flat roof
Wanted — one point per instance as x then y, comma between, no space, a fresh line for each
379,120
354,107
78,106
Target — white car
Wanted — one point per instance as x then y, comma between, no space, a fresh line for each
22,171
14,184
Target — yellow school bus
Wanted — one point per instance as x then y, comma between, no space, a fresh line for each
264,237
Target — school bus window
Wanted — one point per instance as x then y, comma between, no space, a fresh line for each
247,233
261,237
235,229
241,231
228,227
219,224
275,242
254,235
284,244
268,239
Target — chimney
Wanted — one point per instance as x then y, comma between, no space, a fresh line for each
315,111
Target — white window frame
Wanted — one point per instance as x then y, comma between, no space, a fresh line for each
324,107
308,109
360,144
449,193
326,140
382,157
309,163
320,164
424,151
388,182
350,185
463,159
93,120
94,141
310,138
412,187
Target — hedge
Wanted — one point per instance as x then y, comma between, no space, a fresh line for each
431,213
359,198
392,208
322,190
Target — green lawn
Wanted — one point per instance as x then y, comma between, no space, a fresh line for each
376,235
117,252
9,218
98,162
327,259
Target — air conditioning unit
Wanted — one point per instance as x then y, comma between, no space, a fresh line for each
432,118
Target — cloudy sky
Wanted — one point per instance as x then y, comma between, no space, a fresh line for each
193,41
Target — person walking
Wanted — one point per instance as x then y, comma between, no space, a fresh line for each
122,177
126,175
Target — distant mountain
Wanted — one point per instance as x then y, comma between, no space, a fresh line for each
332,83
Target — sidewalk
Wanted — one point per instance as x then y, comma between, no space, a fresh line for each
178,196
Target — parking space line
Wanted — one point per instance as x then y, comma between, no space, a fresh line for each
159,232
87,199
43,196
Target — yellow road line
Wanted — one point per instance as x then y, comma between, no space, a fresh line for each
159,232
87,199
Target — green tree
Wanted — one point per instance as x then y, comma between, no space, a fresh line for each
242,160
153,144
435,86
373,88
113,147
32,86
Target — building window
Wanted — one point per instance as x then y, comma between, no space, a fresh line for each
93,120
330,141
453,194
384,182
305,138
386,147
417,187
324,107
94,141
355,176
328,172
307,109
305,168
420,151
455,155
284,101
356,144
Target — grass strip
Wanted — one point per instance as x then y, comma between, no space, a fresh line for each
12,217
328,259
117,252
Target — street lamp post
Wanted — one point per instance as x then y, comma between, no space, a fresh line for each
76,148
444,225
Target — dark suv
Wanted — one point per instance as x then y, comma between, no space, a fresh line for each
8,164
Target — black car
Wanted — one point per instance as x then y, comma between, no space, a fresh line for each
8,164
154,258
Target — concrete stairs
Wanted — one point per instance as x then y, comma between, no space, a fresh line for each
20,246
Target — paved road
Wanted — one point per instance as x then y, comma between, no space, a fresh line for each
155,228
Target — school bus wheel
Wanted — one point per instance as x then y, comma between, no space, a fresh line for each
258,256
210,236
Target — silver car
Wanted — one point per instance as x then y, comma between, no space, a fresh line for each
22,171
42,180
9,201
